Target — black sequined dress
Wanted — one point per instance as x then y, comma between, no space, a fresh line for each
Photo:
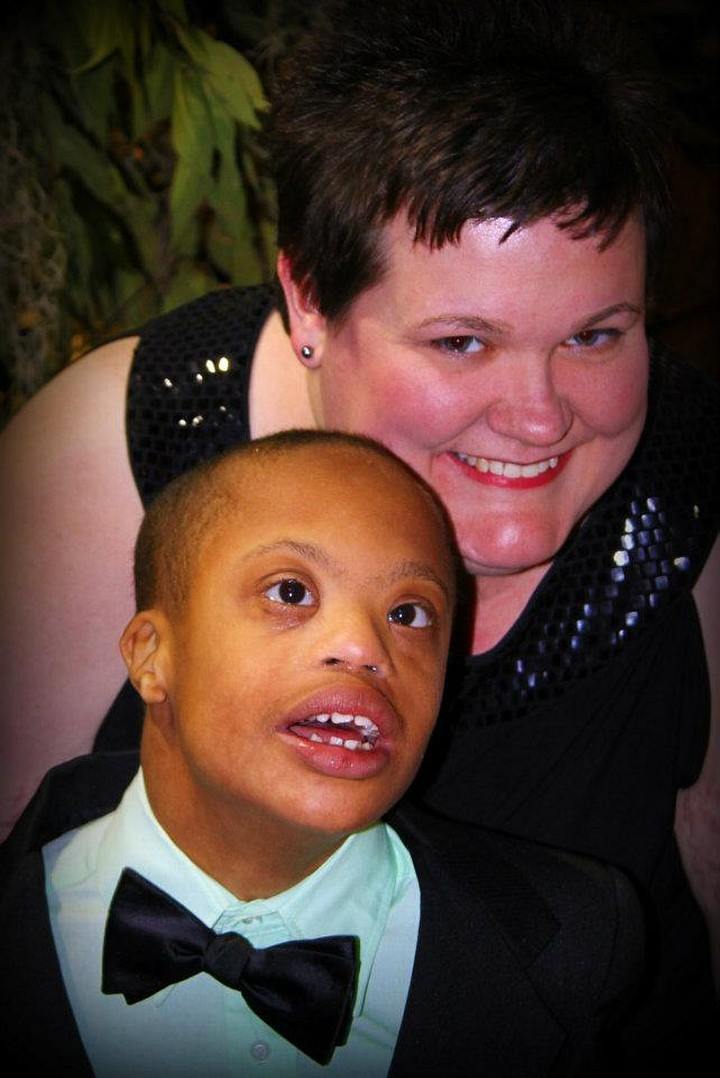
581,725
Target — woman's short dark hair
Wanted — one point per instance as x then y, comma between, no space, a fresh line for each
457,110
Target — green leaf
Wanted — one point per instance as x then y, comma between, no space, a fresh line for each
105,27
136,301
192,123
77,243
189,282
193,139
158,86
141,221
194,42
234,80
187,193
94,94
77,154
174,8
228,75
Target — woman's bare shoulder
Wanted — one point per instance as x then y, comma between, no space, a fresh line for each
87,396
72,512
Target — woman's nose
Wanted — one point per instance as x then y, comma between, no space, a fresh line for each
530,409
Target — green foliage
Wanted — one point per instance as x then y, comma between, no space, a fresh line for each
133,169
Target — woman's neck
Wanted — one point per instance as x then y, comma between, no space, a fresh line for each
499,601
279,397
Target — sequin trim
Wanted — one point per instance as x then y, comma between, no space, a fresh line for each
643,543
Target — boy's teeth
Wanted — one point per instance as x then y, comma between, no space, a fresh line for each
370,732
508,468
339,718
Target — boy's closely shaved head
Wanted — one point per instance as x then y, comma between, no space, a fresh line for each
178,521
296,578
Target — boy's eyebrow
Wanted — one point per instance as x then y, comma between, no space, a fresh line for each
316,554
419,569
305,550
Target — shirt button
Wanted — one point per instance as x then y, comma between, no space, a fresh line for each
260,1050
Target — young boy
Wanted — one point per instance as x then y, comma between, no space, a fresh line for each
295,600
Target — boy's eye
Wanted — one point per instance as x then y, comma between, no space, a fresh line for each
291,592
413,614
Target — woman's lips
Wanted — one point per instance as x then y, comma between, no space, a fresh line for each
509,474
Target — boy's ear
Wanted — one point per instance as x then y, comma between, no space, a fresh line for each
308,328
146,658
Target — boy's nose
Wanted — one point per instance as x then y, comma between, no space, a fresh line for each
353,641
333,661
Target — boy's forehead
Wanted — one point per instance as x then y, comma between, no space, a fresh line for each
350,472
326,483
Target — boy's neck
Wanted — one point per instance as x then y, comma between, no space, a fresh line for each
249,854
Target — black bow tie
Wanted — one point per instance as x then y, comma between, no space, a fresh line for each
304,989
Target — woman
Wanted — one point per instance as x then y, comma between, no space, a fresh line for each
468,194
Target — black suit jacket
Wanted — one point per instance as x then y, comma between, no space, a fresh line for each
525,962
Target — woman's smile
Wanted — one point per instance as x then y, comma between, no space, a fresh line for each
509,372
511,474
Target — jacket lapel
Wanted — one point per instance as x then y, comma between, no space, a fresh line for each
40,1033
39,1030
472,1008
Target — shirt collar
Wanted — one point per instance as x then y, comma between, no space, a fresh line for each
349,894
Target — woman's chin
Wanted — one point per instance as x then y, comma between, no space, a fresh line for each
525,554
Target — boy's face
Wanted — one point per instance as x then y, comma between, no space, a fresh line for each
325,594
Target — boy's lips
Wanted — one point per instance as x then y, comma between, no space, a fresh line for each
346,731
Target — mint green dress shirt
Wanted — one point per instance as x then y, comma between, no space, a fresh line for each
367,888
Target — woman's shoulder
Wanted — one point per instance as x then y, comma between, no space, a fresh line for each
188,385
223,311
676,469
684,407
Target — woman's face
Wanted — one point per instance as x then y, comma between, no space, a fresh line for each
511,375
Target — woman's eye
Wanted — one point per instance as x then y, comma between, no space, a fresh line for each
460,345
412,614
593,338
291,593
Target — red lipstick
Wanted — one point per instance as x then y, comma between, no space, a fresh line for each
522,482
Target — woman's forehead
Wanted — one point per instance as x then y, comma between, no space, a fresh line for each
533,266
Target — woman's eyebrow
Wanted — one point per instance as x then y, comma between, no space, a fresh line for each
476,324
608,312
466,321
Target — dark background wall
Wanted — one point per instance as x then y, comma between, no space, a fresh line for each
51,312
686,309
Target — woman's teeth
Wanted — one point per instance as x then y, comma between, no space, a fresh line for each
509,469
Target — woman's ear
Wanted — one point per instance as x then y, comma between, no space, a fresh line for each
308,327
146,657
